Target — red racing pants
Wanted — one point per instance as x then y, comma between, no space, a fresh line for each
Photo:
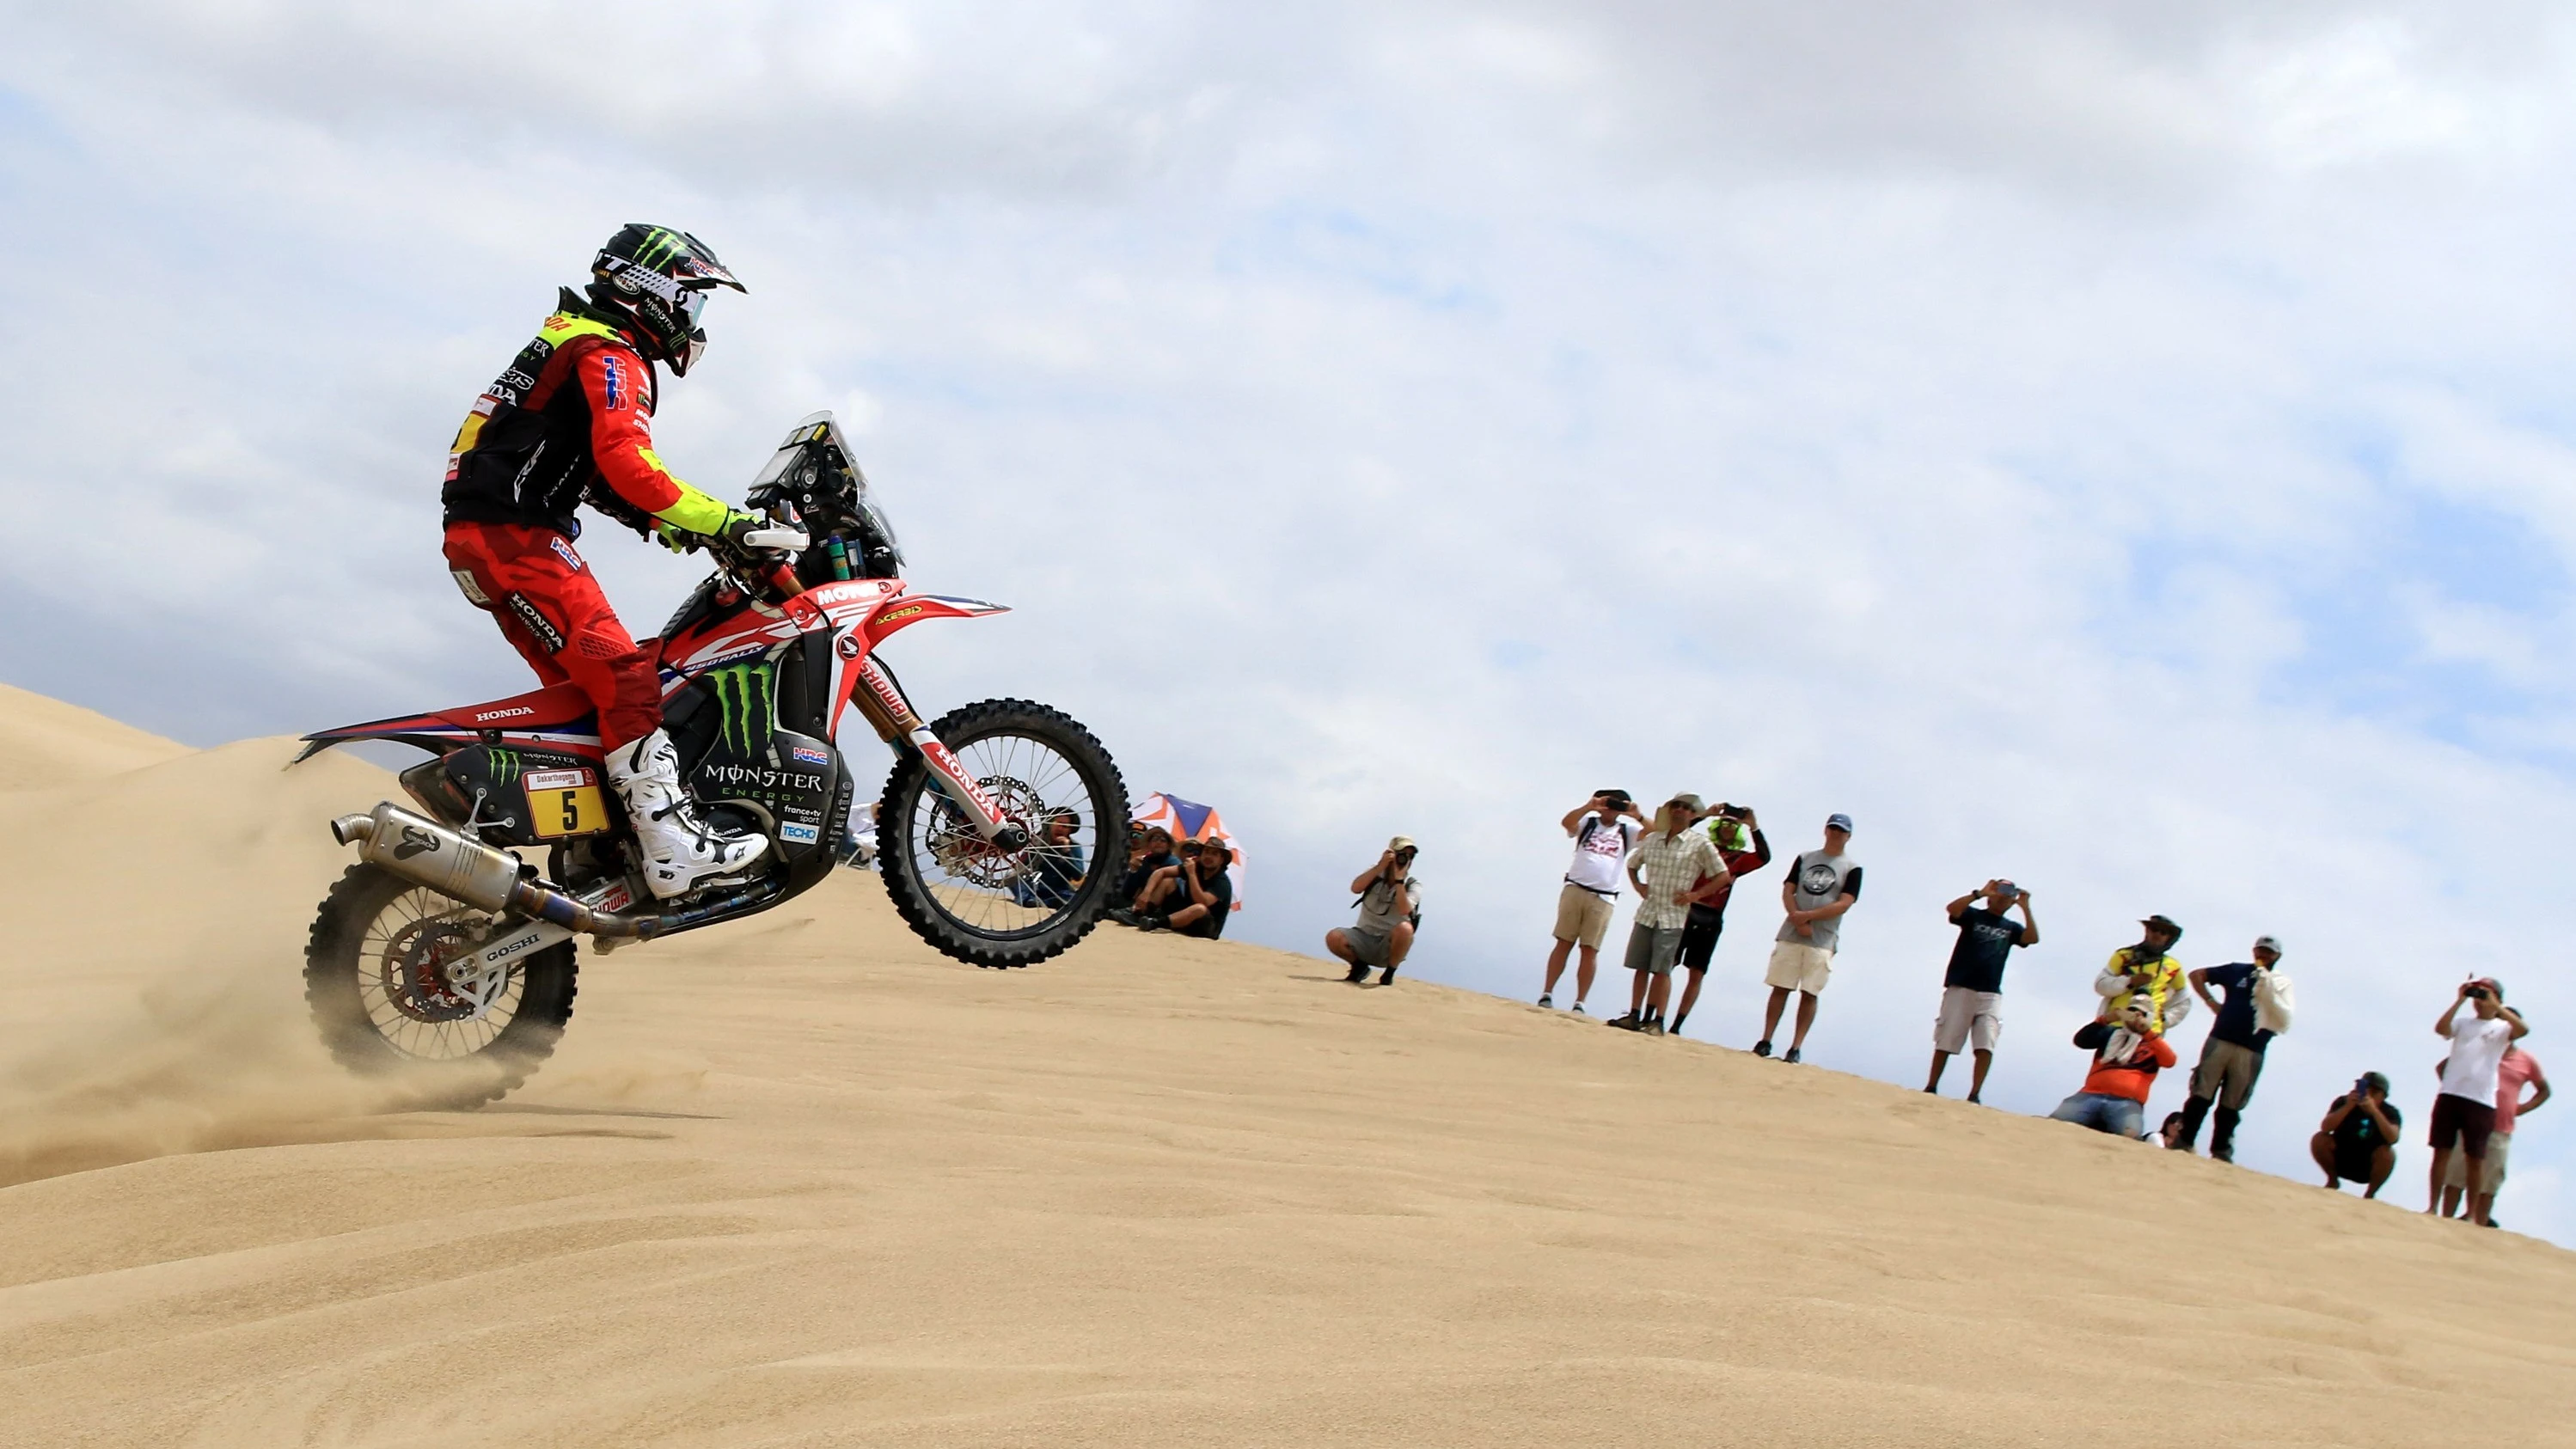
549,607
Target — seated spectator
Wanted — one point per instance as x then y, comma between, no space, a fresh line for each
2358,1138
2146,967
2126,1057
1055,865
1192,897
1390,902
1146,856
2171,1132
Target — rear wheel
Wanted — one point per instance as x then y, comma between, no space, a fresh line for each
379,978
974,900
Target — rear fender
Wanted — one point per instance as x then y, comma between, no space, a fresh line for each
557,718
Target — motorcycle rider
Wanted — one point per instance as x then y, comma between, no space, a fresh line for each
570,422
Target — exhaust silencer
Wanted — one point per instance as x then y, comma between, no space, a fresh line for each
427,853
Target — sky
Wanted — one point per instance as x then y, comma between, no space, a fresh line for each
2122,448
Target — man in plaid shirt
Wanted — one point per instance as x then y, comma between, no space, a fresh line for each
1669,866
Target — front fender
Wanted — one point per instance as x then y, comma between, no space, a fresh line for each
905,610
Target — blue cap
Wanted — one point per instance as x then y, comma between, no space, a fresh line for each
1838,821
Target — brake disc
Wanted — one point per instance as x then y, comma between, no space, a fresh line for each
961,849
420,975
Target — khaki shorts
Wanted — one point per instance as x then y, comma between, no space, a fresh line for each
1967,1017
2457,1174
1796,967
1581,916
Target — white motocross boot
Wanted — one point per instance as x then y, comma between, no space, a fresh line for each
681,851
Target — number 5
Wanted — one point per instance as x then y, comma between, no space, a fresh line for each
572,810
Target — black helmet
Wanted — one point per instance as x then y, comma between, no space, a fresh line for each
658,280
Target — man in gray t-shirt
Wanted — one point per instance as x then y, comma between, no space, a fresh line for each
1390,898
1822,884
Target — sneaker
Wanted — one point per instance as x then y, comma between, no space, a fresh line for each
1386,977
1579,1011
1624,1023
1121,915
1543,1001
1762,1048
1358,975
1152,923
1790,1055
1652,1027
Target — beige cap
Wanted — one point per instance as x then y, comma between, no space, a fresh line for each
1401,842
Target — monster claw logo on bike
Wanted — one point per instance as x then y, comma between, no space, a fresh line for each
454,937
742,692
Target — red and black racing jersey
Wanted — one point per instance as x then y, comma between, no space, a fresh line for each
573,412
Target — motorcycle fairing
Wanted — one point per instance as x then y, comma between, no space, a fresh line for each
556,719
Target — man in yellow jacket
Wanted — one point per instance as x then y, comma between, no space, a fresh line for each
2146,970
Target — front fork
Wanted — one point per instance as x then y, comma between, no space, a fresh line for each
894,720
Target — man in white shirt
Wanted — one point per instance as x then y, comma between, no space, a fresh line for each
2465,1112
1602,839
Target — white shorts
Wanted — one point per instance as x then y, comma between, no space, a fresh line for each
1967,1016
2457,1174
1796,967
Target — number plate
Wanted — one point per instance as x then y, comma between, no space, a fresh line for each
564,803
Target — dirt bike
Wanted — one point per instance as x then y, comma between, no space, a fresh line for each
445,952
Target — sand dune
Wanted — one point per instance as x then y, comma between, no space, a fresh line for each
801,1182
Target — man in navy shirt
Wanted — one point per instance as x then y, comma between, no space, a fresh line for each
1972,991
2233,1056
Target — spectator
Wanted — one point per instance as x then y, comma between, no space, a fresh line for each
1738,838
1390,904
1822,884
1602,840
2232,1057
1055,867
2464,1114
2126,1057
1193,897
2146,967
2171,1130
1972,992
1148,854
2358,1138
2518,1070
1669,868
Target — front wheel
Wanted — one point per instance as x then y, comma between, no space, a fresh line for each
379,978
974,900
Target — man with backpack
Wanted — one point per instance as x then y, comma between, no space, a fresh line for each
1390,905
2233,1056
1605,829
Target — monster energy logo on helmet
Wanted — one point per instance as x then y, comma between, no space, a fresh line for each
742,693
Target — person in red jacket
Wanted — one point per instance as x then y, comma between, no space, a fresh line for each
1738,838
571,422
2126,1057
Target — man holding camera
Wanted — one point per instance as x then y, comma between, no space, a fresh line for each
1390,902
1822,884
1740,845
2146,971
2358,1138
1605,829
2233,1056
2127,1053
1972,993
2464,1115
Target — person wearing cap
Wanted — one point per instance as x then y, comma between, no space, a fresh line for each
2518,1070
1603,836
2232,1057
1822,885
2127,1054
2357,1141
1972,992
1670,867
2146,968
2464,1114
1390,905
1191,899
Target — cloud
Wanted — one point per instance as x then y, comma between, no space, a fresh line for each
2118,449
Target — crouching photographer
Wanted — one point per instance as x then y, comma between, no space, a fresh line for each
1390,906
